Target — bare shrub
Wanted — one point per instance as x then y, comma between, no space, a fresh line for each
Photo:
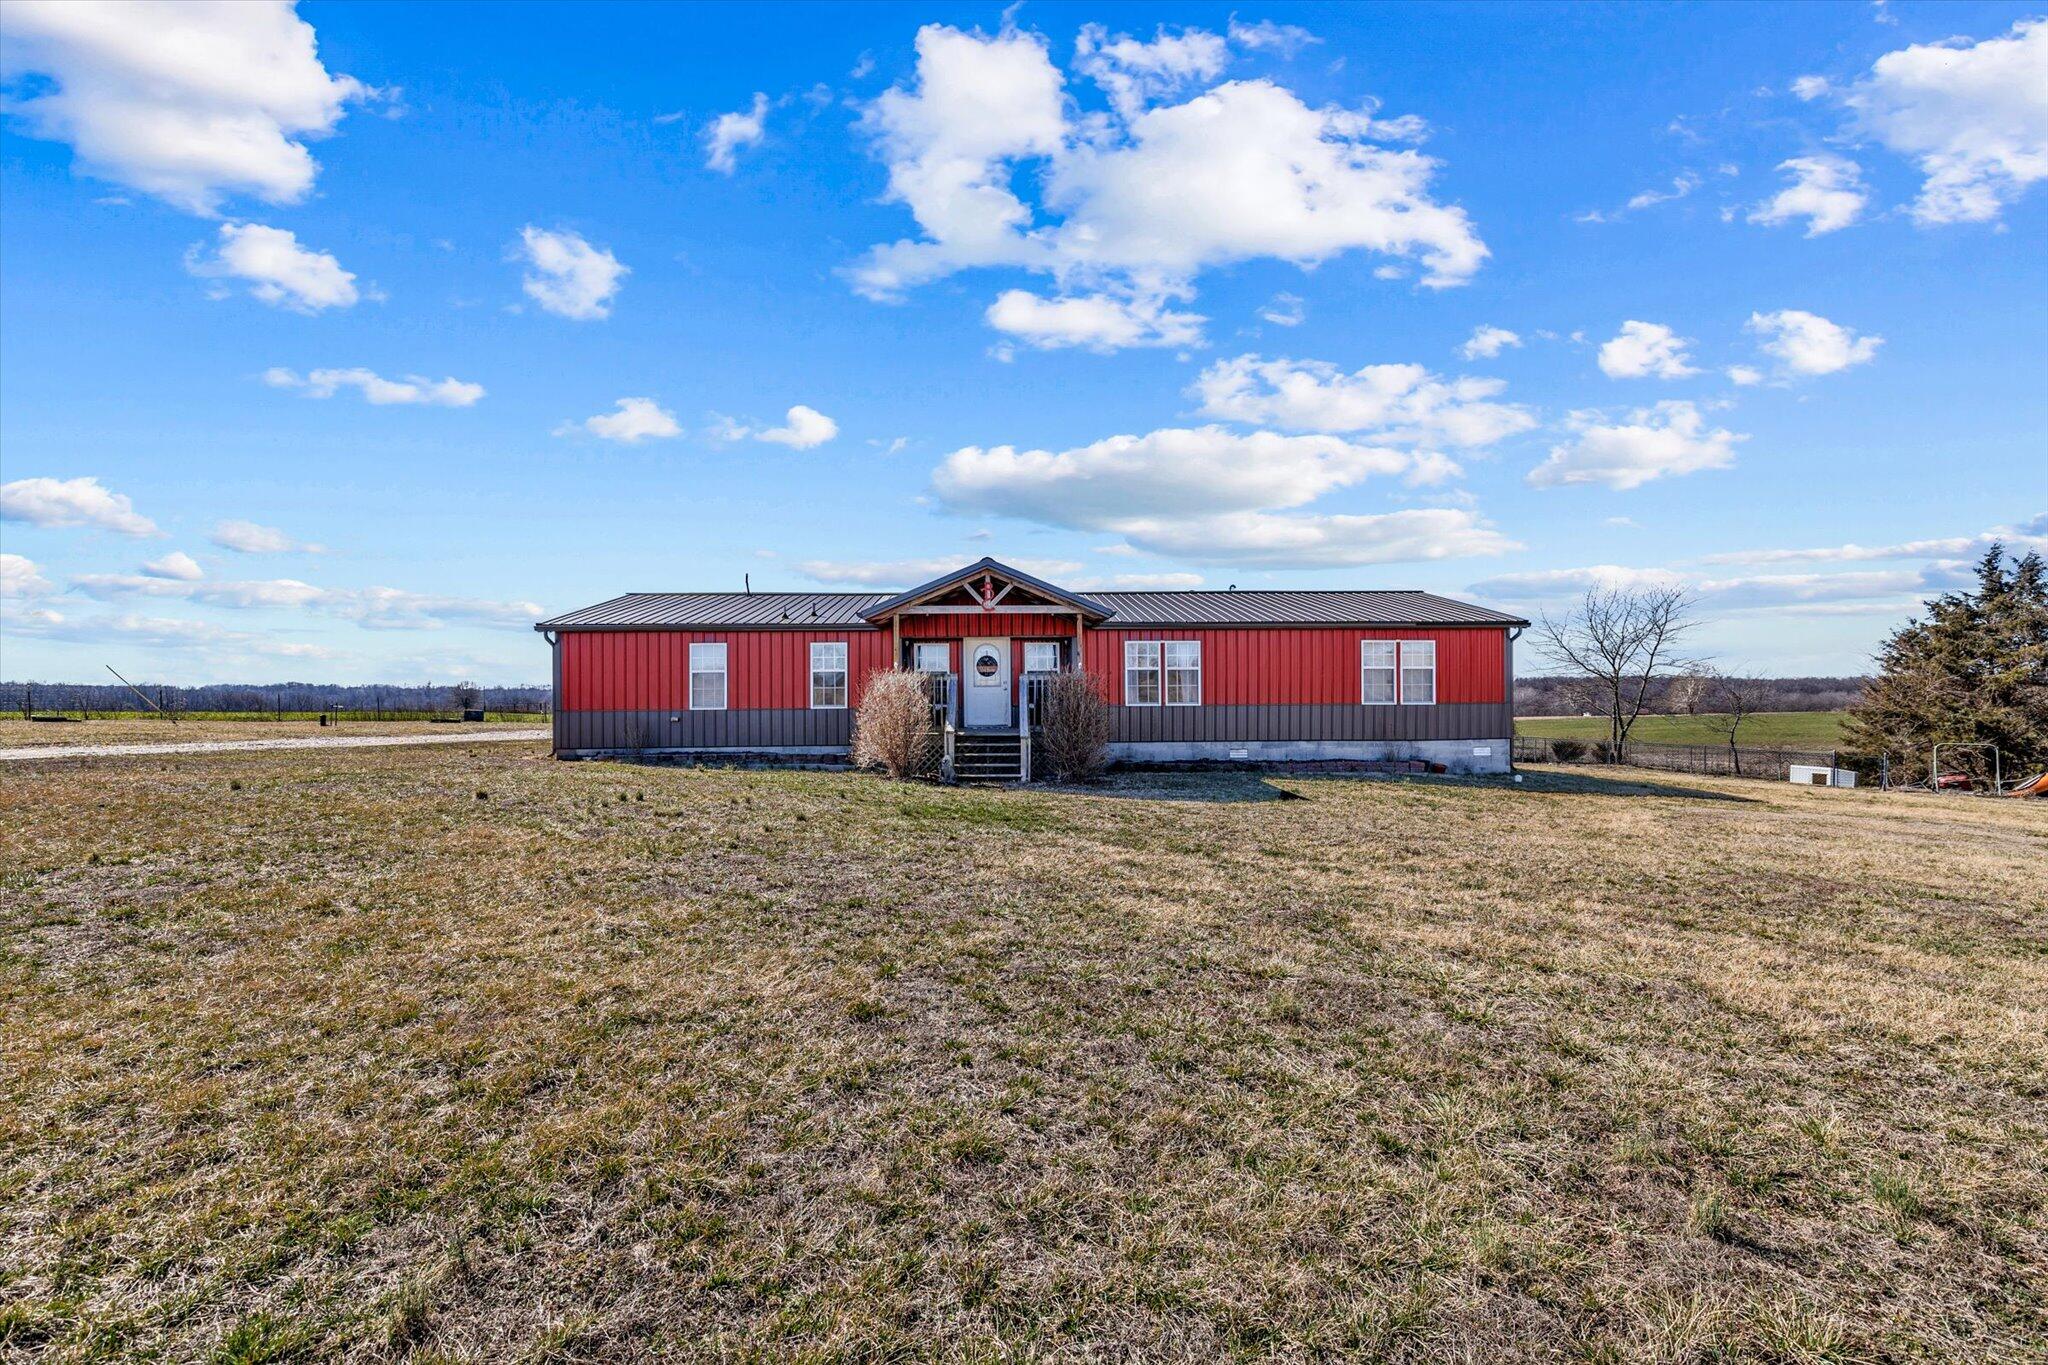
893,729
1074,720
1567,750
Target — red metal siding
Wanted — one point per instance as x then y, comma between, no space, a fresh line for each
649,670
957,626
1304,666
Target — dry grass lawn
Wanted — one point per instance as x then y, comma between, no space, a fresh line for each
16,732
465,1054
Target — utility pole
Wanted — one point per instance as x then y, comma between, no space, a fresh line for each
155,706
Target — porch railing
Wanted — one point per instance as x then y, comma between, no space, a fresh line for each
943,692
1032,698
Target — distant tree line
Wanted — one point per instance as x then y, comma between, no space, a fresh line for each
16,698
1675,695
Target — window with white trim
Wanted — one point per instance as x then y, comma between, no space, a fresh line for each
1141,673
1183,661
1041,656
1418,673
707,677
932,658
828,676
1376,670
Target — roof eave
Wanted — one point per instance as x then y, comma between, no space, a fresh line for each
985,564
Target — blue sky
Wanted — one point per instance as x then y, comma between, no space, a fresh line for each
1498,302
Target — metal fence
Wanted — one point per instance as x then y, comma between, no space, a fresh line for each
1712,759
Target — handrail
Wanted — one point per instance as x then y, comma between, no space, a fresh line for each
1024,730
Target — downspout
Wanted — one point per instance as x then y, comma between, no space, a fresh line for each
554,692
1508,691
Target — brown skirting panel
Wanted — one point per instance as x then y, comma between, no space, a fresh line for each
1196,724
762,729
805,729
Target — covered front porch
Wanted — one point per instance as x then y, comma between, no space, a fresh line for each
985,637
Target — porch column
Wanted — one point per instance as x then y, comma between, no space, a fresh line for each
1080,643
896,634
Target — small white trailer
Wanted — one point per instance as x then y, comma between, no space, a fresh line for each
1819,775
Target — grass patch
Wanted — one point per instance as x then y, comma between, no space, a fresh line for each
317,1055
1766,729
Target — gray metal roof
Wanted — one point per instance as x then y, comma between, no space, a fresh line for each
1296,607
835,610
989,566
793,610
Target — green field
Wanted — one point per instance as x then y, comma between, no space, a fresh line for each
1766,729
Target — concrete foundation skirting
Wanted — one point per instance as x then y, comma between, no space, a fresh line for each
1456,755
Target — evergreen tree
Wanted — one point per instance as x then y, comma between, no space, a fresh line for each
1975,670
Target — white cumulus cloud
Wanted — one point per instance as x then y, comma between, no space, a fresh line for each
1100,322
2027,535
631,421
1488,341
1401,404
375,389
178,565
1135,74
375,608
1138,202
82,502
1284,310
1806,344
1267,36
277,269
1826,190
801,429
183,100
729,132
1269,540
1972,116
1176,472
249,538
568,276
1644,349
21,577
1663,441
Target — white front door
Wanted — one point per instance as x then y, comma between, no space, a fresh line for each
985,684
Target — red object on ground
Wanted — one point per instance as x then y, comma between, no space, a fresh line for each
1956,782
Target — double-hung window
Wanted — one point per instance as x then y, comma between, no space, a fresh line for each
1376,669
707,677
1183,672
828,677
1141,673
1418,673
1041,656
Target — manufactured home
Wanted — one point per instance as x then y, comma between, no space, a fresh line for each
1252,676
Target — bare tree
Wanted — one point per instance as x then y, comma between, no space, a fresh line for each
1735,699
465,697
1616,644
1691,693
